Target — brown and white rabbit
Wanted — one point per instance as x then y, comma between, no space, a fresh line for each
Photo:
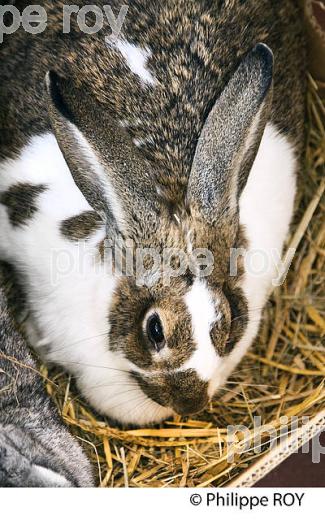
36,449
181,134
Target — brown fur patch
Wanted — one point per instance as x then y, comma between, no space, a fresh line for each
182,391
20,200
128,310
81,226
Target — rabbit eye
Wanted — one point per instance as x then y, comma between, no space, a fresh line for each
155,332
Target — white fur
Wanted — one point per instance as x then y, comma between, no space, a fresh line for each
202,307
125,123
136,59
48,477
266,208
142,142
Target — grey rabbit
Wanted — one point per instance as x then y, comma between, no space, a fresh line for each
36,449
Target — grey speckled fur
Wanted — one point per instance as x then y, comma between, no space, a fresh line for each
36,449
196,47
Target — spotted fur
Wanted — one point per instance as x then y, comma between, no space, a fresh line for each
81,226
168,134
21,202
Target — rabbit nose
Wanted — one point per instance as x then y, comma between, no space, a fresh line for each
189,406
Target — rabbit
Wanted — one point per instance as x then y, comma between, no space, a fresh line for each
184,133
36,449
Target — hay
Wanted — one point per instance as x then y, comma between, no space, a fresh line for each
283,375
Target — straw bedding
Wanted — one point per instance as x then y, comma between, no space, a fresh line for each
282,375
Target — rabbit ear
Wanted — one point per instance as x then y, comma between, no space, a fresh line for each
230,138
106,166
